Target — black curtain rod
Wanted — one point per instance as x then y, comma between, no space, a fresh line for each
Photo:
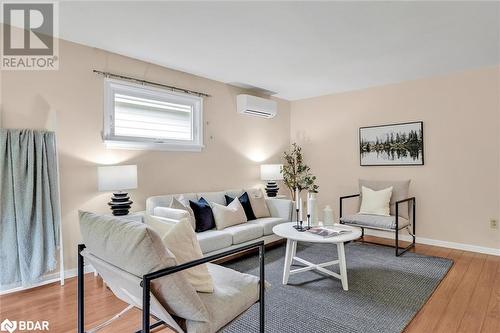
187,91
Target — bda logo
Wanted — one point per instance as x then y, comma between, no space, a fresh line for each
9,326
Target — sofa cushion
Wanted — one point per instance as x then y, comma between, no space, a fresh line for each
234,292
174,214
280,208
245,202
375,221
203,215
213,240
137,249
217,197
268,223
244,232
400,191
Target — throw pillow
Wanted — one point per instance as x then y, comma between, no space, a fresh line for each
204,218
181,240
245,202
226,216
258,202
400,191
182,203
375,202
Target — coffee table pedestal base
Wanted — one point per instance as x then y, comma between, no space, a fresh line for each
291,248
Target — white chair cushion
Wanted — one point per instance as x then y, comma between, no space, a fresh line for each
375,221
180,239
226,216
245,232
234,292
268,223
173,214
375,202
213,240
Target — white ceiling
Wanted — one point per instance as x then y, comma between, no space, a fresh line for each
297,49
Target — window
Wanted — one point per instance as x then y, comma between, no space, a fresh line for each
144,117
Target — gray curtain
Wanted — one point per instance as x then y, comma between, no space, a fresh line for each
29,205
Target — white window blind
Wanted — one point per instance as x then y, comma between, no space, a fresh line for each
150,118
139,117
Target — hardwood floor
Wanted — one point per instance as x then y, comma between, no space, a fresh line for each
467,300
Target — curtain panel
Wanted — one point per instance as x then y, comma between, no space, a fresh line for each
29,205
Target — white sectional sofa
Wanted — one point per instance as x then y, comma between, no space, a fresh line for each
215,241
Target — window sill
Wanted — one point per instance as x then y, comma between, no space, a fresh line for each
133,145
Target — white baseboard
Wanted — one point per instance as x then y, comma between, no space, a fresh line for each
436,242
47,279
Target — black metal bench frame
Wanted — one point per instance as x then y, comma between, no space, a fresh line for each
411,200
146,285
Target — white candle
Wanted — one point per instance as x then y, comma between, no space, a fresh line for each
308,205
297,205
300,210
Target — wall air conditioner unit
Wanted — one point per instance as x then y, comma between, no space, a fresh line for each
256,106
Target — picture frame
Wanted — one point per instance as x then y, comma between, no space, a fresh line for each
399,144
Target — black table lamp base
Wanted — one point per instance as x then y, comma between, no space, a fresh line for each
271,188
120,203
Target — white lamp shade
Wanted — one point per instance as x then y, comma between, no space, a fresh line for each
271,172
117,177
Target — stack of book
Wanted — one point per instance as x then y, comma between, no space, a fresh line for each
328,232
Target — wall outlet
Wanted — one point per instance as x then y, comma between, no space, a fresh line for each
493,224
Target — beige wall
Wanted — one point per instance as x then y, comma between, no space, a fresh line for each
70,100
457,189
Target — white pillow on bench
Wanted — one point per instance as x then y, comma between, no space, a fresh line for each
375,202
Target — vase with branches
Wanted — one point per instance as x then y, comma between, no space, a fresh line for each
296,174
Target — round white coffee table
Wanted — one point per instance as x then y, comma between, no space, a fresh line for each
286,230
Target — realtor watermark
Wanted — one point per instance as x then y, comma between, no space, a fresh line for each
12,326
29,31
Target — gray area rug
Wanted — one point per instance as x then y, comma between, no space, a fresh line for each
385,292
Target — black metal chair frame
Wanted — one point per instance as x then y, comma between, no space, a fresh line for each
411,200
146,284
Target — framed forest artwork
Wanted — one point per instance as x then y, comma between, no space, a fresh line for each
394,144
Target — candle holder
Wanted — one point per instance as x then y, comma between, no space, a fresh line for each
308,222
301,228
297,226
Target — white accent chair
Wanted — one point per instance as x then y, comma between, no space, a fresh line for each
141,271
401,216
